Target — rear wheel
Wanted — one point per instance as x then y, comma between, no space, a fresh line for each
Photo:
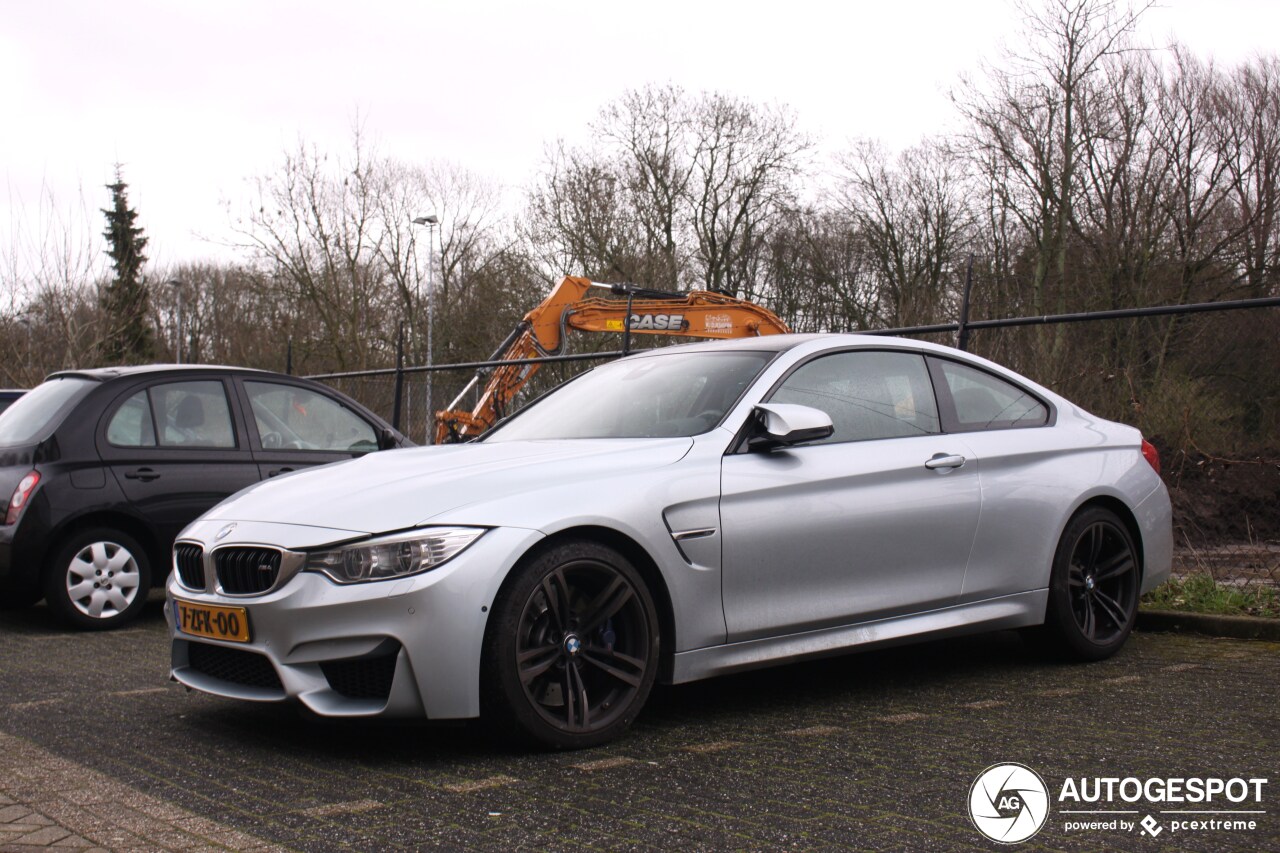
1094,587
571,651
98,580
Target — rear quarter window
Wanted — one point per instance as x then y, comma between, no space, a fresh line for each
35,415
982,401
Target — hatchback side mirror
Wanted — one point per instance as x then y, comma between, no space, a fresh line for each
387,439
785,424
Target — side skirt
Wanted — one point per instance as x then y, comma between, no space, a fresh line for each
994,614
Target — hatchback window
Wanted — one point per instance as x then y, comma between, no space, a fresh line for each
39,411
293,418
868,395
131,425
192,414
983,401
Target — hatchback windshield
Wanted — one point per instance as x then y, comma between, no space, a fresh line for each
679,394
39,410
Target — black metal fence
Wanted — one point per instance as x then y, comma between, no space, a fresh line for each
1226,506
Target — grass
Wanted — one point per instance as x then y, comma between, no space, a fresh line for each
1200,593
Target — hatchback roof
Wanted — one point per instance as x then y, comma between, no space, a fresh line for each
104,374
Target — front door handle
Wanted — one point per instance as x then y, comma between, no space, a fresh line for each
942,460
274,471
146,475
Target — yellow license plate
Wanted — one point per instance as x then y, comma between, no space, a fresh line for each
210,620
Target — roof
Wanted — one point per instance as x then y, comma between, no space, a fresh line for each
104,374
770,343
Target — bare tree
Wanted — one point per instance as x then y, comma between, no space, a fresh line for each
316,226
676,191
1026,128
1252,123
914,219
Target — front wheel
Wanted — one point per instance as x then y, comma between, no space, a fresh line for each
571,650
98,580
1094,587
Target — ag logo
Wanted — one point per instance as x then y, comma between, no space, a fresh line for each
1008,803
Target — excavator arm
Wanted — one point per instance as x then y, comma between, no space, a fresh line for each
631,310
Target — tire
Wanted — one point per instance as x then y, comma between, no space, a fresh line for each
20,598
571,649
98,580
1093,589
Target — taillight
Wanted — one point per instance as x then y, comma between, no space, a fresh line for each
1150,454
21,495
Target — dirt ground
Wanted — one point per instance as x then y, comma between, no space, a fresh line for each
1226,515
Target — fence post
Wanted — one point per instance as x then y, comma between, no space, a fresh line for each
288,358
399,393
962,341
626,327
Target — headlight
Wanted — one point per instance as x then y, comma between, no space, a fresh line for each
394,556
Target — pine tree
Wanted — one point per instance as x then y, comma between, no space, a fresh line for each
125,301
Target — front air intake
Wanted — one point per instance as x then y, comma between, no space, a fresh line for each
234,666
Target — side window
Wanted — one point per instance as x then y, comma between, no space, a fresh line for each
983,401
868,394
294,418
193,414
131,425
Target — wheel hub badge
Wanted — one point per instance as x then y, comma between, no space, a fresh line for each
572,645
1089,583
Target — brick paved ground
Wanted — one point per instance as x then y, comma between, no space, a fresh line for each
872,751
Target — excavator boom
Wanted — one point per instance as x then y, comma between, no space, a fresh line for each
633,310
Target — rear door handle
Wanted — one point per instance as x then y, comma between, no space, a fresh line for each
274,471
942,460
146,475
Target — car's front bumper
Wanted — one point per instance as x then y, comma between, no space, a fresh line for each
406,647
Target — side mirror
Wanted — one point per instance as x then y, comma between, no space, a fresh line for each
785,424
387,439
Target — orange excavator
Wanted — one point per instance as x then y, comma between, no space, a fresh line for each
629,310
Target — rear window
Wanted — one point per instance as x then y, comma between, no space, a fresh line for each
38,412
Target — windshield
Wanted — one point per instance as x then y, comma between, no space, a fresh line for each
679,394
39,410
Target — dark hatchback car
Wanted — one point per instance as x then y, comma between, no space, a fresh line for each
104,467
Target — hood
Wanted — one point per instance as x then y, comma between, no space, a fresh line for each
398,489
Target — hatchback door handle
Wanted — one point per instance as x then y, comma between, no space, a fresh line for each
275,471
146,475
942,460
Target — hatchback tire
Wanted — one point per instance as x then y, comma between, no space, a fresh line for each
98,580
1093,589
571,649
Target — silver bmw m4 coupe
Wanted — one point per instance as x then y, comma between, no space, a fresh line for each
675,515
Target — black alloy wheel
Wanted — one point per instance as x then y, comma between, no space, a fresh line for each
1094,590
572,648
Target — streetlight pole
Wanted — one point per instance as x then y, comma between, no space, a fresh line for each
431,222
25,319
177,286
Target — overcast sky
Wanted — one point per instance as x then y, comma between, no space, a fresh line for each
195,98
